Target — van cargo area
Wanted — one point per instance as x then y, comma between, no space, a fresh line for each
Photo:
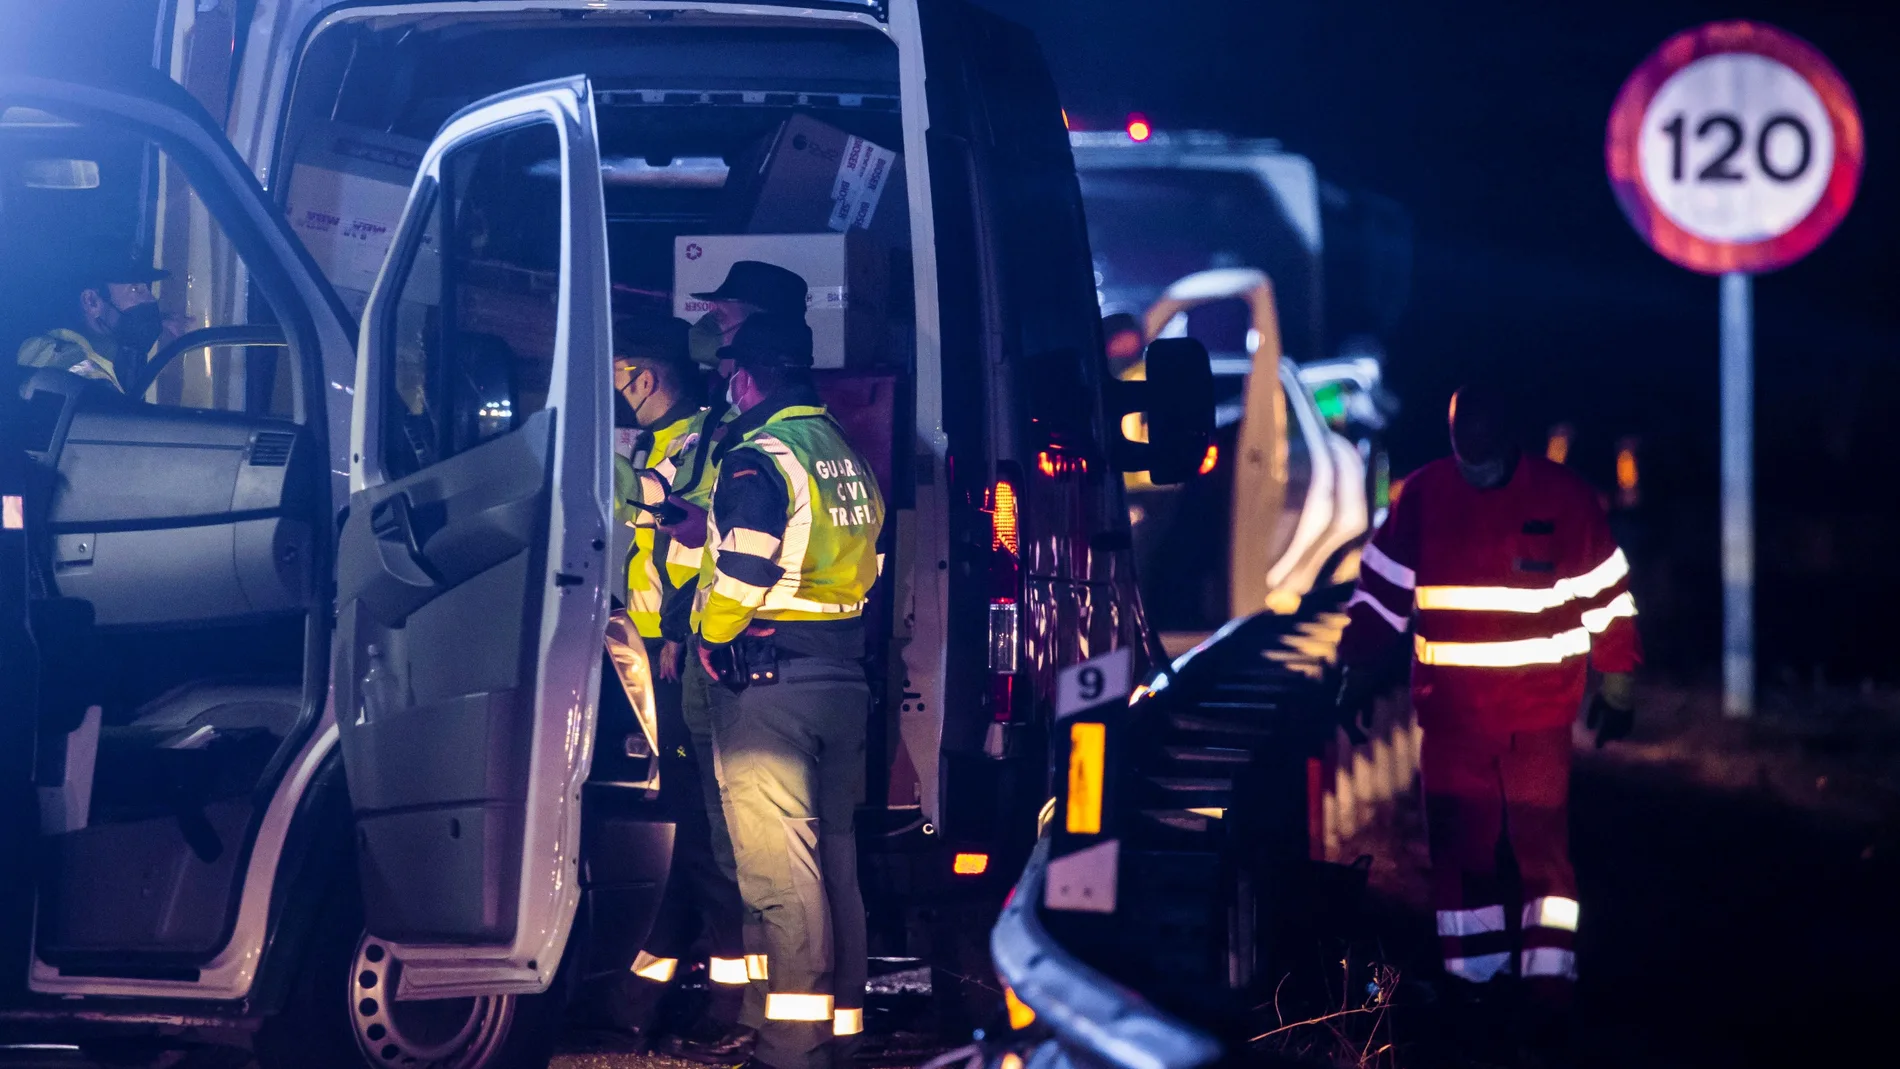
721,139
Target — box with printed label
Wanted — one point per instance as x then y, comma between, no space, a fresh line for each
347,192
809,176
846,275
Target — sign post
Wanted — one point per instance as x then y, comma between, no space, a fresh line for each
1738,494
1733,150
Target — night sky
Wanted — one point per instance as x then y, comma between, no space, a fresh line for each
1486,120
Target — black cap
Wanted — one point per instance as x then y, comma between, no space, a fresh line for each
101,260
768,286
770,340
651,336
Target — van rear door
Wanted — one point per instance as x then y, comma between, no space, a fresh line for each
472,573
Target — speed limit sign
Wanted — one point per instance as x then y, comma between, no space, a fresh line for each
1734,147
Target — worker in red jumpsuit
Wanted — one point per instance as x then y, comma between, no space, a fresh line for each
1502,566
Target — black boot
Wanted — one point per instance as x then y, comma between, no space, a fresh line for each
711,1042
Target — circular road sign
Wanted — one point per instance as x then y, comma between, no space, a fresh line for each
1734,147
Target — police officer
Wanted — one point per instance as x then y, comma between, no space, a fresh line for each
110,324
662,391
749,288
792,546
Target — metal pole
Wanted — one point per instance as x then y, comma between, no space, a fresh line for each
1738,507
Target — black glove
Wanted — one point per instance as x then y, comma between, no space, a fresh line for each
1609,721
1354,706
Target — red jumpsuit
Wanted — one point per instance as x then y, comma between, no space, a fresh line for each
1511,593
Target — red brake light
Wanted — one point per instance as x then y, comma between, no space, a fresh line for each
1138,128
1212,458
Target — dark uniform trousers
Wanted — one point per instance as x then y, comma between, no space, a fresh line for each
790,763
700,891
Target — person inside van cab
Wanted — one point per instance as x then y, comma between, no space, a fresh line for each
107,329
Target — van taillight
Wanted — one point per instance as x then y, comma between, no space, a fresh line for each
1006,641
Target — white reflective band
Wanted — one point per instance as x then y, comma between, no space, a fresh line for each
653,488
1550,911
747,594
1490,598
1597,621
13,513
1549,962
847,1022
755,967
684,556
1526,651
746,540
727,971
778,599
798,523
880,564
1600,578
783,1007
1386,568
1480,969
658,970
1361,597
1458,923
1526,599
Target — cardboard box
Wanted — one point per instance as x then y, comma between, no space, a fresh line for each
810,176
348,188
847,275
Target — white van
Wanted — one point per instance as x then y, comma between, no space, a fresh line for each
320,760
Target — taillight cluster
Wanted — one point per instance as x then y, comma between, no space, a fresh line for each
1005,610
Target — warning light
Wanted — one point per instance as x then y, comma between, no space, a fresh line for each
1065,119
1020,1015
1138,128
970,864
1212,458
1557,450
1627,476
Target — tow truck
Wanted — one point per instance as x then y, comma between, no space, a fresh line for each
1289,281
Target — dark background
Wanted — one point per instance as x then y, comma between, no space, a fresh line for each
1486,120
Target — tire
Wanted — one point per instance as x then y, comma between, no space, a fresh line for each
339,1016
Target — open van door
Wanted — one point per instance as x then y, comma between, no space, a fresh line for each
472,570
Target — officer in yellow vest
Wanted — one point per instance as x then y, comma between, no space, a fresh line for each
111,323
791,559
655,377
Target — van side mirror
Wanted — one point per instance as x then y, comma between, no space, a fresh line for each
1176,401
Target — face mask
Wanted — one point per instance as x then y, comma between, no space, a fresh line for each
138,327
1484,476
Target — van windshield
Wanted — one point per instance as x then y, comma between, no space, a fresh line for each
1150,227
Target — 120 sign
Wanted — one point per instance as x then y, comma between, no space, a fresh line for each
1727,130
